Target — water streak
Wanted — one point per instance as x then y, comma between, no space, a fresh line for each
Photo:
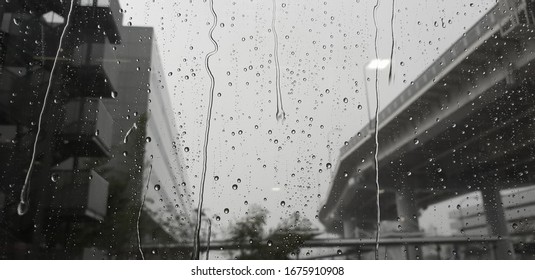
139,214
281,115
23,206
125,139
196,236
390,73
376,132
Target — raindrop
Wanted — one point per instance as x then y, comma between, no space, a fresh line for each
186,149
157,187
270,243
23,207
234,187
515,225
283,203
148,139
54,177
226,211
216,178
339,252
346,100
328,165
280,115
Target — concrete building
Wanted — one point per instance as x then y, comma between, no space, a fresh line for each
93,154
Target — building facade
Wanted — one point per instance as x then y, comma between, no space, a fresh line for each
86,109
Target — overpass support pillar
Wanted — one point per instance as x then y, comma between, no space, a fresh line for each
350,228
408,217
496,222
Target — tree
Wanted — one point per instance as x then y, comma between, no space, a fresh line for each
287,238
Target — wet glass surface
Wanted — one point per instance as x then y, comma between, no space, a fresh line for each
267,129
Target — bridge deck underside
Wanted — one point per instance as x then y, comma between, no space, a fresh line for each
471,127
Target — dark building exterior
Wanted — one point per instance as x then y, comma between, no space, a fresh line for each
89,171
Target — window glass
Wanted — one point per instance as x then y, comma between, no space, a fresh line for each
267,129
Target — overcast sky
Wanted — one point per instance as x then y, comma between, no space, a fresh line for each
323,48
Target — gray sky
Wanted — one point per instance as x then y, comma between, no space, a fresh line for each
323,47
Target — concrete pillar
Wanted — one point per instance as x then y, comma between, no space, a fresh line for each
350,232
407,213
496,222
350,228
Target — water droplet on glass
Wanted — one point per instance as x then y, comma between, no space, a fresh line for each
328,165
157,187
270,243
339,252
148,139
226,211
186,149
515,225
22,208
234,187
346,100
283,203
113,94
216,178
54,177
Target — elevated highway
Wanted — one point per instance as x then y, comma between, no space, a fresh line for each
466,123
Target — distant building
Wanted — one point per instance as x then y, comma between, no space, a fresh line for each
97,135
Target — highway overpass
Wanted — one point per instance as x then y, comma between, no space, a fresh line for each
465,124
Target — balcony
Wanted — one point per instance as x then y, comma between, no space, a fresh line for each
88,128
83,193
95,70
99,16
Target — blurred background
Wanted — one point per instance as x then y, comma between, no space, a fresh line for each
329,122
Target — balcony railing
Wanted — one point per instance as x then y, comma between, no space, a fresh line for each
88,127
80,193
